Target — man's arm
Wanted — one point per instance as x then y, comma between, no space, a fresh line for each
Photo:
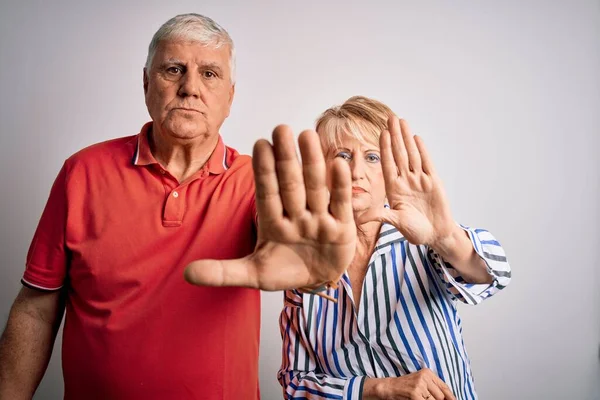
26,344
306,232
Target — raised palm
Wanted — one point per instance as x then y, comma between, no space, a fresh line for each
306,233
418,205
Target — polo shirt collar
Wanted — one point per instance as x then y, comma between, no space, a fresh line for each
216,164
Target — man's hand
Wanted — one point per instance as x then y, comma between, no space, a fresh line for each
421,385
306,235
419,208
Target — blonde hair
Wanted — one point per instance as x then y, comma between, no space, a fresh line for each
359,117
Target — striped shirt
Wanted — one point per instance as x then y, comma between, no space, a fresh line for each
407,321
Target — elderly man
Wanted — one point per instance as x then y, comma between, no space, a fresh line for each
125,217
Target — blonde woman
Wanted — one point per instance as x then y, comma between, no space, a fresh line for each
392,331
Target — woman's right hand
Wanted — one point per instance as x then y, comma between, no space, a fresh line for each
421,385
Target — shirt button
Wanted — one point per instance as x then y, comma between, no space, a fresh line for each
162,171
175,194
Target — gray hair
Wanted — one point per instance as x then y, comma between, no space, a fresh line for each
195,28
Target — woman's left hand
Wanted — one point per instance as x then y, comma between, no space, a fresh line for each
419,208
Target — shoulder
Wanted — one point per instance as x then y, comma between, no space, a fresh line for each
239,166
120,150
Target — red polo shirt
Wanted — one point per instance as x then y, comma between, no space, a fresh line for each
117,232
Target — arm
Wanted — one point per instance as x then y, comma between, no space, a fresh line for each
301,223
300,374
455,274
423,384
419,209
458,250
27,341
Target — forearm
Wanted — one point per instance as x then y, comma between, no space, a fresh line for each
457,250
25,350
372,390
318,386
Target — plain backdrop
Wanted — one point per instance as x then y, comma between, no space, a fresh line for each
506,95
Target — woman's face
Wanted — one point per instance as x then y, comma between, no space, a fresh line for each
368,187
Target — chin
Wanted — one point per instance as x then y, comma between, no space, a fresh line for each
185,129
359,206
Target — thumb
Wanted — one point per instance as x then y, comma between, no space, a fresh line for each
377,214
240,272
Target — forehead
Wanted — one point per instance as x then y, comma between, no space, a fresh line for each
191,52
346,140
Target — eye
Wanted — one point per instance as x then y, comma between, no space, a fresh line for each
372,158
174,70
209,74
344,155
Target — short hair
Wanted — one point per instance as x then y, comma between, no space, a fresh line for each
360,117
193,28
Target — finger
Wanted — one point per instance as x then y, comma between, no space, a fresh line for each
398,148
240,272
427,164
377,214
313,169
341,191
268,201
388,164
435,391
414,158
448,395
289,173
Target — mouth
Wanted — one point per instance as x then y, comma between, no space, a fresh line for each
186,109
357,190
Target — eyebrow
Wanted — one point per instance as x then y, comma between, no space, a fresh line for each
173,61
346,149
203,65
213,66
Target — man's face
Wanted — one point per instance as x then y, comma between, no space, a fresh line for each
188,88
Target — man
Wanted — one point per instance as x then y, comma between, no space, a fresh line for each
125,217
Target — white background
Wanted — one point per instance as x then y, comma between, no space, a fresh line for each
505,93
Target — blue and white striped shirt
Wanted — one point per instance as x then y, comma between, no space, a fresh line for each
407,321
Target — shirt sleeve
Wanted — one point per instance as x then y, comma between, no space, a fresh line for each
300,374
491,252
47,258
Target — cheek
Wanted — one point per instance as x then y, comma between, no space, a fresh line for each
161,92
377,182
153,98
221,99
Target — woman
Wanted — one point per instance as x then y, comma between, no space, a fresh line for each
392,331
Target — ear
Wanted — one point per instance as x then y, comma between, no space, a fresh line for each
145,78
231,94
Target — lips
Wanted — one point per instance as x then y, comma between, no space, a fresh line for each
358,189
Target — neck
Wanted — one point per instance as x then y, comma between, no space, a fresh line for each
367,235
181,157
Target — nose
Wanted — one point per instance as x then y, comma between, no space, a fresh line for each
357,168
190,85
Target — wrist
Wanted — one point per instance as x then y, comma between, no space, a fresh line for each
374,389
447,244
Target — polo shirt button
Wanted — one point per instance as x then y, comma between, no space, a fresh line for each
175,194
